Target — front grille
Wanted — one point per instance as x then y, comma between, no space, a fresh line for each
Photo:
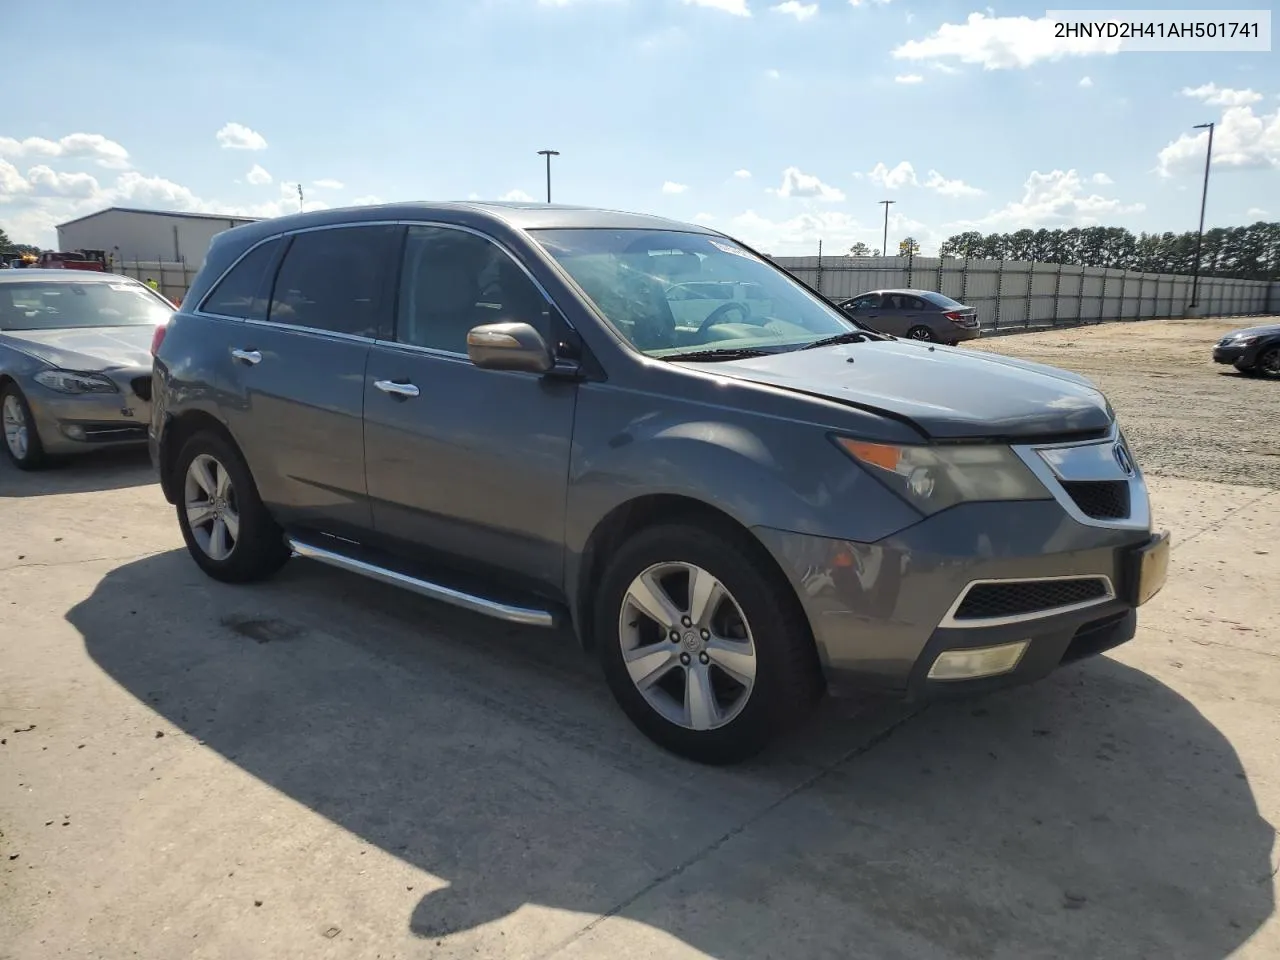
1100,499
1014,598
142,387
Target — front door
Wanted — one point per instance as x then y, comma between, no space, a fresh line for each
462,461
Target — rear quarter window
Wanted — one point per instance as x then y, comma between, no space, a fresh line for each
244,291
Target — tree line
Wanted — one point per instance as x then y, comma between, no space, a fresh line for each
1245,253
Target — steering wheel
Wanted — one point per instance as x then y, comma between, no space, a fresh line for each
718,313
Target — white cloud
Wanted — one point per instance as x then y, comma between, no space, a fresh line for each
704,217
908,78
1086,81
799,234
795,183
258,176
742,174
949,188
12,182
773,74
134,188
801,11
1241,139
368,200
1055,199
328,184
1256,212
671,186
516,196
858,3
236,136
1101,179
106,153
1217,96
902,175
736,7
944,67
1001,43
44,180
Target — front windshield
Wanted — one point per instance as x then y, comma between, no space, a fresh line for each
62,304
673,293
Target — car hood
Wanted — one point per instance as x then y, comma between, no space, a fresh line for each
1267,330
946,392
99,348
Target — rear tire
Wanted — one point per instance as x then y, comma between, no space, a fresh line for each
743,667
21,438
229,532
921,333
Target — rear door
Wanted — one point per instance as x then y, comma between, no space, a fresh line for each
890,317
293,383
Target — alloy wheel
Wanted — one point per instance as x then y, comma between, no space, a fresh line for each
1269,362
16,434
209,499
687,646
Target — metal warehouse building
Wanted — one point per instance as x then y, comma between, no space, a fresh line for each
129,235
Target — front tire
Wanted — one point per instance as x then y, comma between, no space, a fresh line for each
229,532
703,644
1268,364
21,438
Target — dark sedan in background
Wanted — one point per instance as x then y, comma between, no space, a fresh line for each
1255,350
75,361
915,314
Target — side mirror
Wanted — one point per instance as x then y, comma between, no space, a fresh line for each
509,346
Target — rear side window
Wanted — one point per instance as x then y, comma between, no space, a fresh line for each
332,280
244,291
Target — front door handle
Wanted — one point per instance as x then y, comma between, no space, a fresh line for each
396,389
251,357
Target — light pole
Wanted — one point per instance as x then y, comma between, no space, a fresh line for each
884,251
548,154
1204,196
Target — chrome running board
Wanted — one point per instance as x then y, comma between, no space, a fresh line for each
530,616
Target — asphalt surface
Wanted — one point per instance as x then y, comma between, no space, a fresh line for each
323,767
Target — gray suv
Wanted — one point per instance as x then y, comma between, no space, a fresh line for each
498,407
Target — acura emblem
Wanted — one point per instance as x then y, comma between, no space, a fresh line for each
1123,459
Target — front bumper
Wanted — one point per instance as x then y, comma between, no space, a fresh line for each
73,423
1231,353
882,613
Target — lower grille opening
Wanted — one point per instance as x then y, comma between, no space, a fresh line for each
142,387
1019,597
1100,500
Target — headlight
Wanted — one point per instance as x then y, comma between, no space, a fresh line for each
933,478
67,381
1244,341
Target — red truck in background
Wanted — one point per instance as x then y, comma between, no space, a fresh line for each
94,260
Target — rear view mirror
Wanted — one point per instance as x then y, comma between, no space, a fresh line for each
509,346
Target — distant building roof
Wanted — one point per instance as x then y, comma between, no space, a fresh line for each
181,215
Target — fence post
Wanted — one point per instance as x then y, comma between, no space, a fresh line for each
1080,300
1057,294
940,262
999,290
1031,282
817,281
964,280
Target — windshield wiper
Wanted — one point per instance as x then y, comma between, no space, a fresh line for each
724,353
849,336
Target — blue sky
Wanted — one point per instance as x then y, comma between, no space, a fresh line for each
779,122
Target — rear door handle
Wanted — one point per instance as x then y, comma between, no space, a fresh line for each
250,357
396,389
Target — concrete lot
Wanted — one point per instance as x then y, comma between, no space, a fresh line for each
323,767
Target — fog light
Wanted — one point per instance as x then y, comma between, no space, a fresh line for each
977,662
74,431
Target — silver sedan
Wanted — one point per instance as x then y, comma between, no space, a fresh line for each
75,361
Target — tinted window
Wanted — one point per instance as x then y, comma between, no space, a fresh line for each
938,300
912,303
453,281
63,304
243,292
331,280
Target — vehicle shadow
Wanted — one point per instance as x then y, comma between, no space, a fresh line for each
85,473
1096,814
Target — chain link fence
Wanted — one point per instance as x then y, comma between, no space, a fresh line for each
1014,294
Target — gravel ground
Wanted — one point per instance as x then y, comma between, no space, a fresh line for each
1185,415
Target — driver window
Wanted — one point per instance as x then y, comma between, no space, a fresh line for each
453,281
